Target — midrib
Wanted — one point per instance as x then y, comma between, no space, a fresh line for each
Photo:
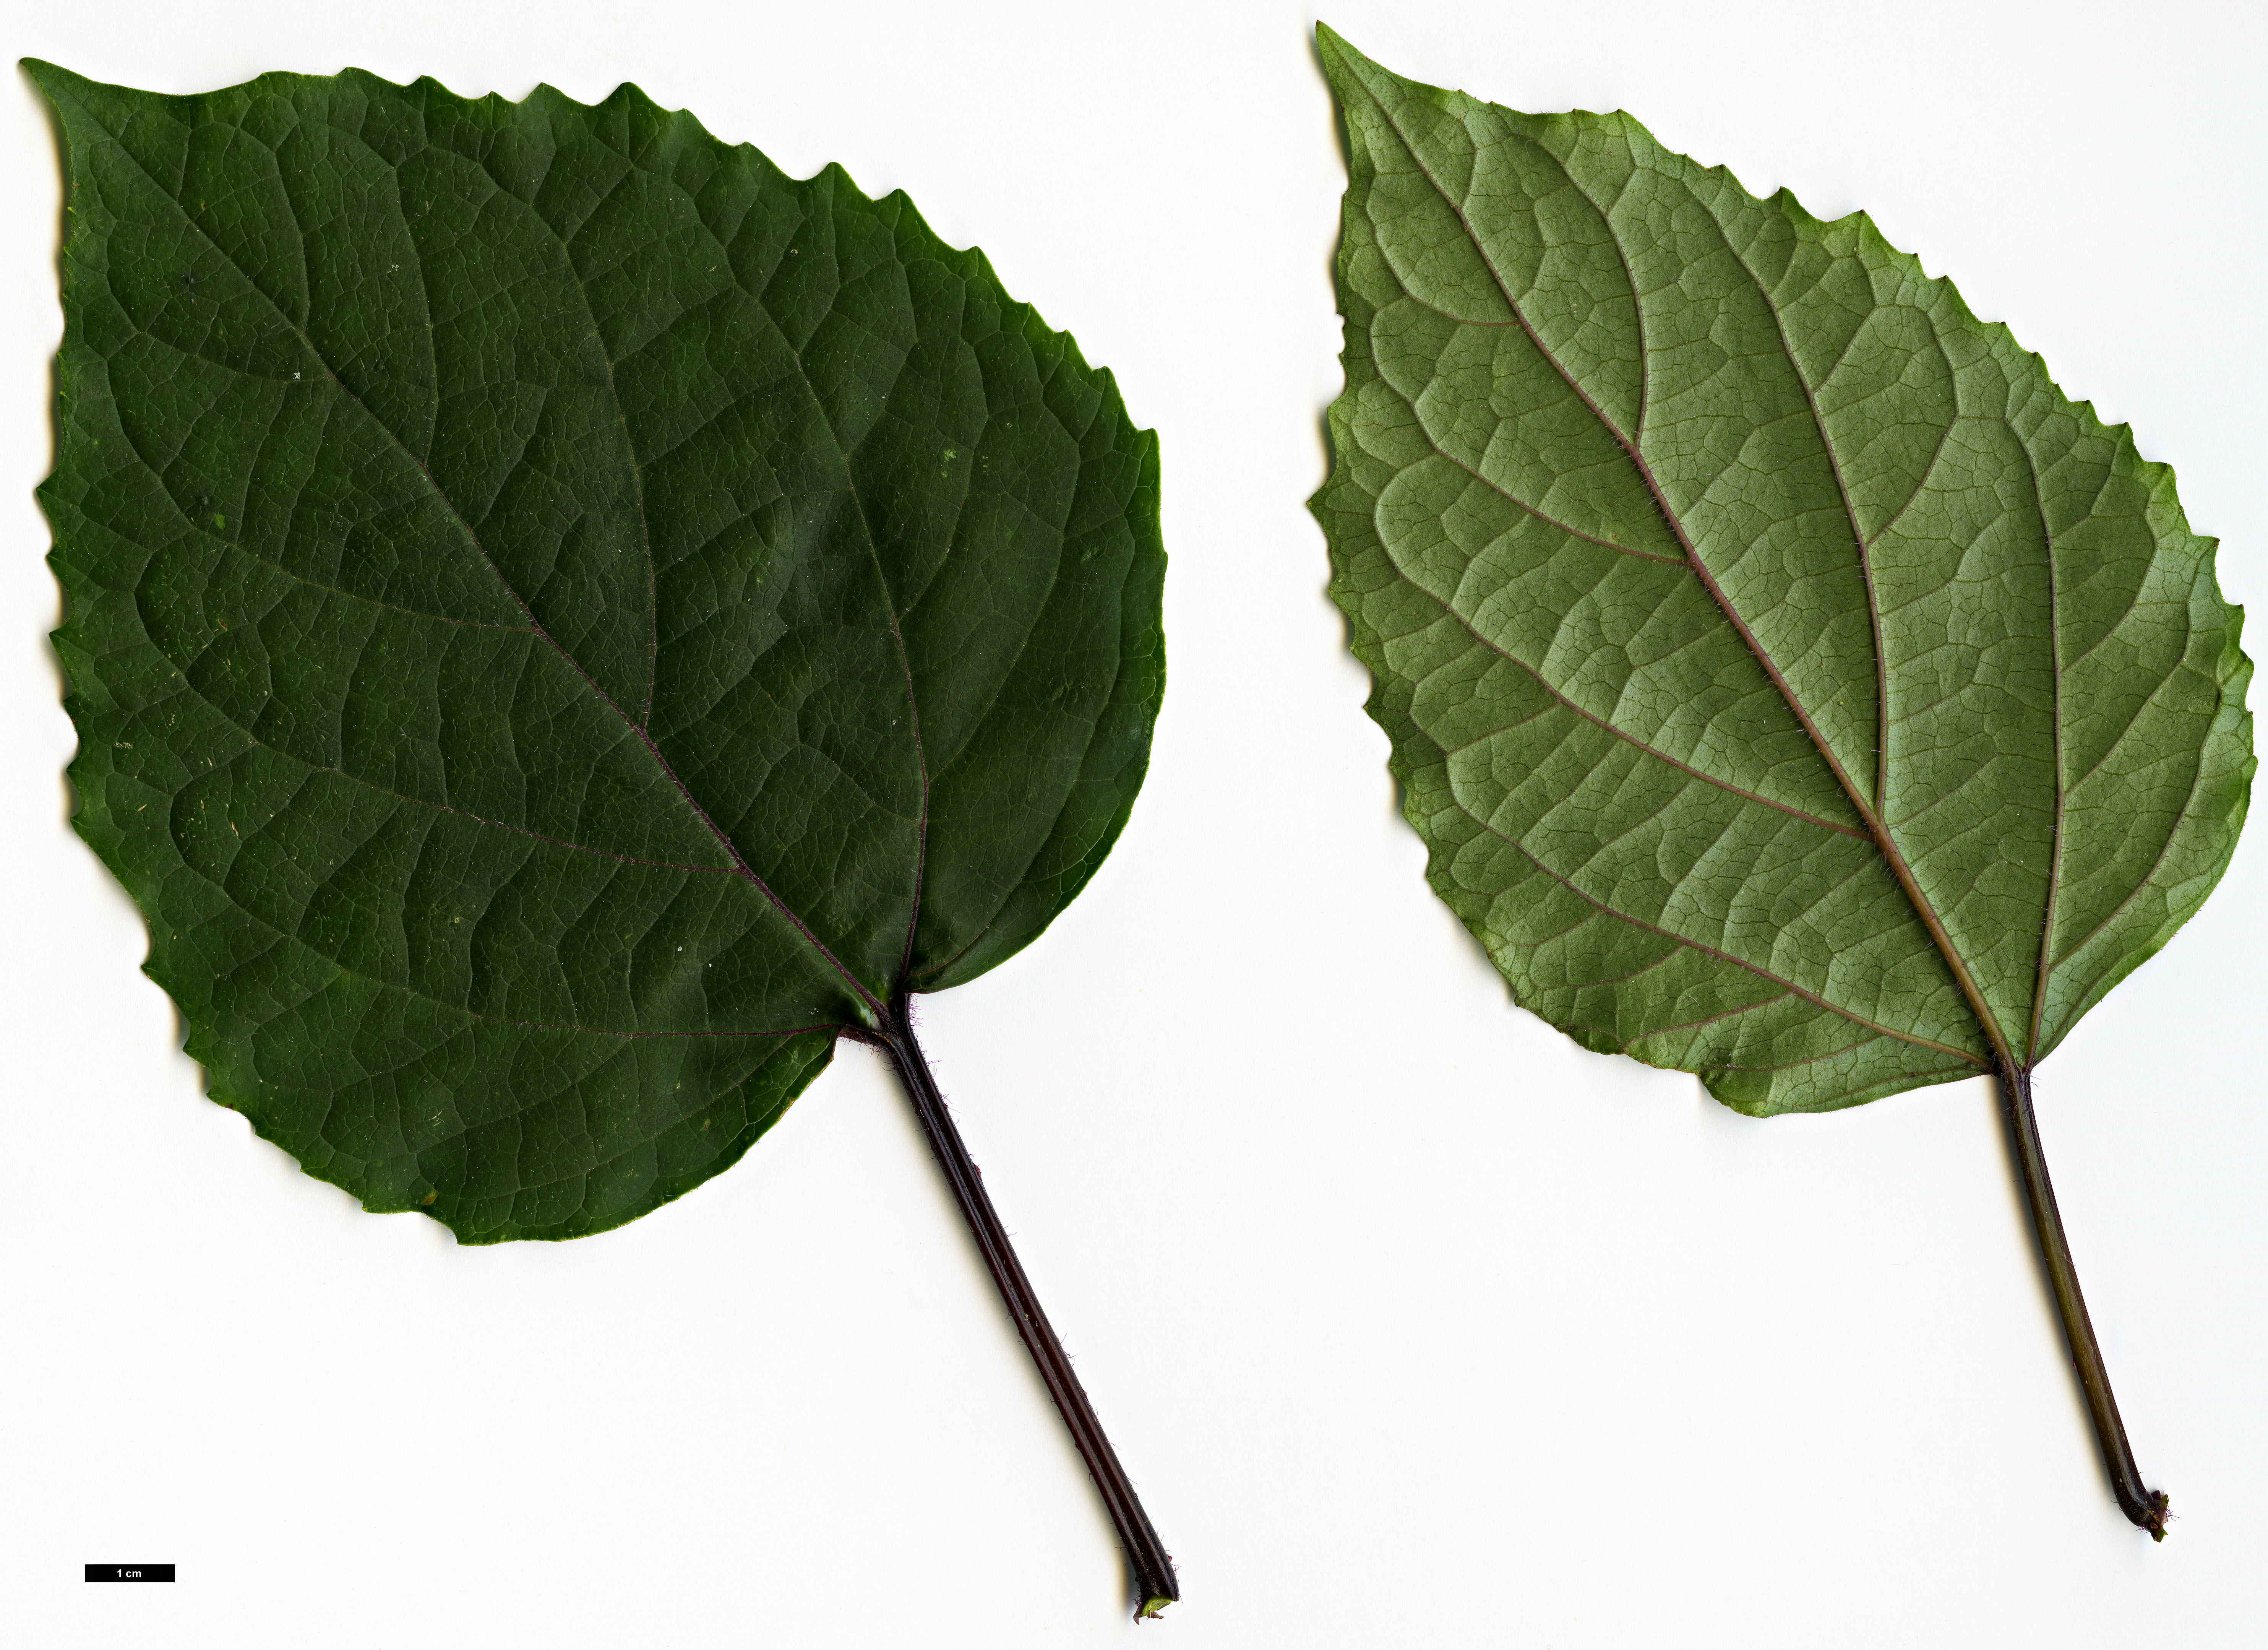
661,762
1876,829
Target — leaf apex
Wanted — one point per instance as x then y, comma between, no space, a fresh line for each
1342,61
50,78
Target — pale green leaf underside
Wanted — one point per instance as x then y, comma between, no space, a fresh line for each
1765,643
565,620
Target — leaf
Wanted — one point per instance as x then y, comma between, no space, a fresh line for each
1791,685
566,621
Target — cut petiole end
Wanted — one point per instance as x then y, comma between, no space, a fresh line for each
1155,1584
2156,1518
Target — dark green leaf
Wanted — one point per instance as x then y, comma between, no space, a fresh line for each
566,619
1791,685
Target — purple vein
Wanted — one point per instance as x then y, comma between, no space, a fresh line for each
288,937
1126,663
443,807
1574,532
2149,702
2055,655
1808,1059
335,590
1922,485
629,451
238,548
700,812
1814,1059
608,1031
1612,979
2135,893
905,664
1728,1013
1979,772
913,703
1762,973
1632,739
1883,842
1630,280
1859,539
535,625
889,607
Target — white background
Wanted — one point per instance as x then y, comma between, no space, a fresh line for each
1415,1324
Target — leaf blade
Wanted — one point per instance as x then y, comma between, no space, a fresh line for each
1799,403
534,683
